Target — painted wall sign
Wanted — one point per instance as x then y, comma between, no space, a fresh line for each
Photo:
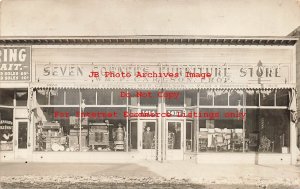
15,63
222,73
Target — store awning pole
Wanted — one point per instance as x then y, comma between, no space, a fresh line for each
244,95
80,99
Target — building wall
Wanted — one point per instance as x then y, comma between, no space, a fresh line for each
172,54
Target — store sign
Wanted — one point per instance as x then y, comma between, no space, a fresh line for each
15,63
148,111
201,73
6,125
175,113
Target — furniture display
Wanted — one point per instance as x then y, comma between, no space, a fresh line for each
266,145
211,133
50,135
119,135
203,139
74,137
228,137
98,135
237,140
220,142
253,141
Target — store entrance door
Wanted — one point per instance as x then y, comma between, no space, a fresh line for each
174,136
148,139
21,139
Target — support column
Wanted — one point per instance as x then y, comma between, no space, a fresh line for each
293,143
159,132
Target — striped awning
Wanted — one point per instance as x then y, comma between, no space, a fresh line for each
169,86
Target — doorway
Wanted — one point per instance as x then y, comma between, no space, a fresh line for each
175,142
21,139
148,139
143,138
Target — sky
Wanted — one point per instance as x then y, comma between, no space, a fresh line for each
144,17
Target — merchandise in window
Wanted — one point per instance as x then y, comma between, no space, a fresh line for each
102,129
6,129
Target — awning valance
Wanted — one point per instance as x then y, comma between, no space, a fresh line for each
152,86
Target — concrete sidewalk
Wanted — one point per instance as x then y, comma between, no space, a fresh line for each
227,174
177,171
74,169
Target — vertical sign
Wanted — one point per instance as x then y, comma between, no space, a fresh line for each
15,63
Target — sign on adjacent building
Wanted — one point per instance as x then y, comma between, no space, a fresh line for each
15,63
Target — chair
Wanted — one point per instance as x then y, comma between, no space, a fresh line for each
237,140
253,141
227,135
266,145
203,139
220,141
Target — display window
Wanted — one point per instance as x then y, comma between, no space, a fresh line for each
9,99
100,129
216,120
206,97
71,120
221,98
6,129
173,98
21,98
247,128
6,97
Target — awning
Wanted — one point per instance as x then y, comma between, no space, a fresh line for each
169,86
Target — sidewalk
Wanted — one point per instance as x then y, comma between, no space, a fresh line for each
151,172
227,174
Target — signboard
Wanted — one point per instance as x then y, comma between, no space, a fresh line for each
6,125
15,63
192,73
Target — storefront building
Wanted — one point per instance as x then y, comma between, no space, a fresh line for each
124,99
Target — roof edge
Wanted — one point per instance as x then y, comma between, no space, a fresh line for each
149,39
152,36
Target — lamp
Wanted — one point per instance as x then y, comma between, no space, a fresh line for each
239,108
82,107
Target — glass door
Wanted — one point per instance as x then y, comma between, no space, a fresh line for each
148,139
21,139
174,137
133,135
189,136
